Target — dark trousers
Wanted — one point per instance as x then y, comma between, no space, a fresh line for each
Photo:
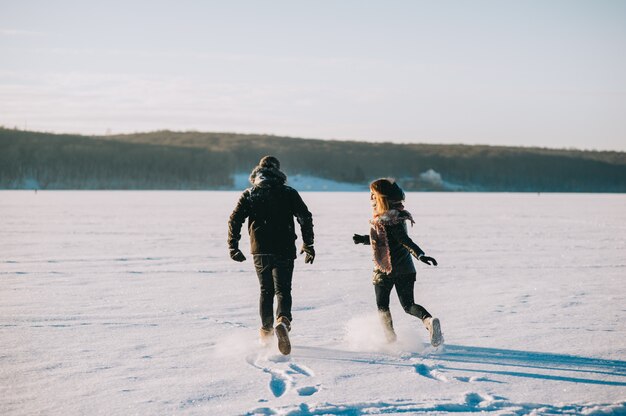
274,273
404,284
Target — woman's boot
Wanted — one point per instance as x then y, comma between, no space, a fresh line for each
434,329
385,319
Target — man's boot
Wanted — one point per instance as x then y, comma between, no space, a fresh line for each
282,333
266,336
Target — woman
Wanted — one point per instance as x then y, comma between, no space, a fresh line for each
393,249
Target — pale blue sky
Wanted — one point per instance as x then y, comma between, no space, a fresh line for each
530,73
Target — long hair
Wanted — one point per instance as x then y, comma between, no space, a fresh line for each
382,201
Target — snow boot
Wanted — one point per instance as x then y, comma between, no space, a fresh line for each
385,319
266,336
282,333
434,329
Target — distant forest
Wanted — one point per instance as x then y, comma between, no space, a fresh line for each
195,160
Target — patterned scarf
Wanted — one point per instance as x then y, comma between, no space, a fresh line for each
378,235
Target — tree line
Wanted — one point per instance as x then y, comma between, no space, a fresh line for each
196,160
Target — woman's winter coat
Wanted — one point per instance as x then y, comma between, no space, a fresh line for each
390,229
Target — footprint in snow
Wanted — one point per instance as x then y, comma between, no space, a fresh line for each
279,384
476,379
428,372
308,391
284,374
301,370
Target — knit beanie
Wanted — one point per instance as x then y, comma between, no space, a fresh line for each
269,162
388,188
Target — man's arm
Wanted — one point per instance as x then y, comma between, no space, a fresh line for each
304,217
236,220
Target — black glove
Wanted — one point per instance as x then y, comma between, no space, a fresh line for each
310,253
237,255
360,239
428,260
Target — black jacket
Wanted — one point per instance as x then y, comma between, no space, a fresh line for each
401,248
270,207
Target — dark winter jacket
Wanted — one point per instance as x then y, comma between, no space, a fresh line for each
401,248
270,207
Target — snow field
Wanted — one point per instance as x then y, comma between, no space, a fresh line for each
120,303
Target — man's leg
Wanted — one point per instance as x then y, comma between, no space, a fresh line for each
282,273
263,266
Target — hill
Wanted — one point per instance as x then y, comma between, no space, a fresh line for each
196,160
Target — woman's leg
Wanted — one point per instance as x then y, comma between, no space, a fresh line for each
383,290
404,288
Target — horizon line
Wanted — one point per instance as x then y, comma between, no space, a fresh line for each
288,136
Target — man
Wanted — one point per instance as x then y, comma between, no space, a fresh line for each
270,207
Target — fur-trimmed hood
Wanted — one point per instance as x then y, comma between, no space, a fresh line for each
267,173
262,176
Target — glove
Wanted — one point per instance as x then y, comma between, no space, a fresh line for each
237,255
428,260
360,239
310,253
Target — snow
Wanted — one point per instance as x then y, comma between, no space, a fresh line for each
119,303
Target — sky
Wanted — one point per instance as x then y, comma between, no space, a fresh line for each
512,73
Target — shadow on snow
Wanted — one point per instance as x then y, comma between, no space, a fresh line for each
533,360
489,357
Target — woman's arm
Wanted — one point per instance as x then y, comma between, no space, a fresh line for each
361,239
398,231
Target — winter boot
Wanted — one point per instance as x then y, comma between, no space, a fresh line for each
266,336
282,333
385,319
434,329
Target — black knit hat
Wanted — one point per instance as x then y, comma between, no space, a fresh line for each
388,187
269,162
